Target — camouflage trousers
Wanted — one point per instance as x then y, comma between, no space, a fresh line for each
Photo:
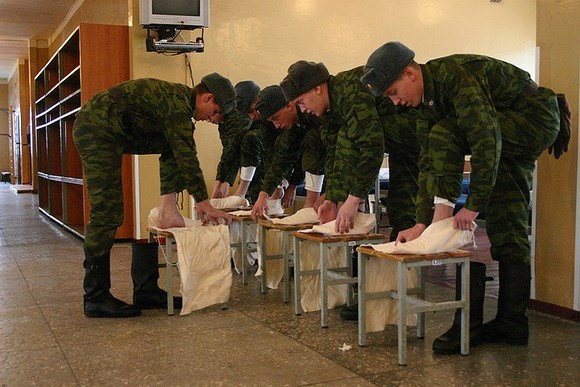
403,149
528,128
101,142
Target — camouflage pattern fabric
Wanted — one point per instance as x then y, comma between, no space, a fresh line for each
257,151
144,116
490,109
353,136
232,130
286,155
313,151
401,144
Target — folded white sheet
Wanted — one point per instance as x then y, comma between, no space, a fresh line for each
229,202
363,224
302,216
437,238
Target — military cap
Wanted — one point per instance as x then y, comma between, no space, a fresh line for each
302,77
270,100
246,92
222,90
385,66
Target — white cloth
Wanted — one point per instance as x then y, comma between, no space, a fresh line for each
381,276
274,208
363,224
203,259
439,237
310,285
274,267
236,238
302,216
229,202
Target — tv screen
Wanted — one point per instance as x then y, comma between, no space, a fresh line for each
176,7
180,14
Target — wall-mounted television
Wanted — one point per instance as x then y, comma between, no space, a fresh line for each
178,14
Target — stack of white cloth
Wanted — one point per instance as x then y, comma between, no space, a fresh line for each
274,208
203,259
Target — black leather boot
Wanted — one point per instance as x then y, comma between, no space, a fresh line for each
450,342
98,301
145,273
511,323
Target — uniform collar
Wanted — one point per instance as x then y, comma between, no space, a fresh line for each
428,98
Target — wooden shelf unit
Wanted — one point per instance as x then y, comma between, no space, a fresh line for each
94,58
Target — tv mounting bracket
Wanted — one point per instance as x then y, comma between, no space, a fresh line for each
167,44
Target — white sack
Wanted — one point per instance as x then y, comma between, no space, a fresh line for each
274,267
203,259
236,237
310,285
381,276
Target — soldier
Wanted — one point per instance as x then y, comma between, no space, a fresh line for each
286,161
142,116
232,130
472,104
356,126
357,129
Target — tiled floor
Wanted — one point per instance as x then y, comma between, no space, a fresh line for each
46,340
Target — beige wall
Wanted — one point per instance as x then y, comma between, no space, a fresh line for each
4,139
558,32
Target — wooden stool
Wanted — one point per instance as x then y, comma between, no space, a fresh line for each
286,229
154,236
332,276
245,221
407,303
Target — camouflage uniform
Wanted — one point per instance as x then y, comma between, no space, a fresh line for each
232,130
492,110
358,129
256,151
144,116
313,149
286,161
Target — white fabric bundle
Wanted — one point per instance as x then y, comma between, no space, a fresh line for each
310,285
229,202
236,237
437,238
274,267
363,224
381,276
203,259
274,208
302,216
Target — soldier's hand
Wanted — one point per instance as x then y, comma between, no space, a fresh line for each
260,207
327,212
346,214
410,234
464,219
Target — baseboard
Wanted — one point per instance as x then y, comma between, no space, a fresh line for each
555,310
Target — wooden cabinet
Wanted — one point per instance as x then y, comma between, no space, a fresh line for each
94,58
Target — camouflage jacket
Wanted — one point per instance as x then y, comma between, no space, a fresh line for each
231,130
353,136
157,118
285,163
467,89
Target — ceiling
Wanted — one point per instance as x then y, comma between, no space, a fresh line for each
21,20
